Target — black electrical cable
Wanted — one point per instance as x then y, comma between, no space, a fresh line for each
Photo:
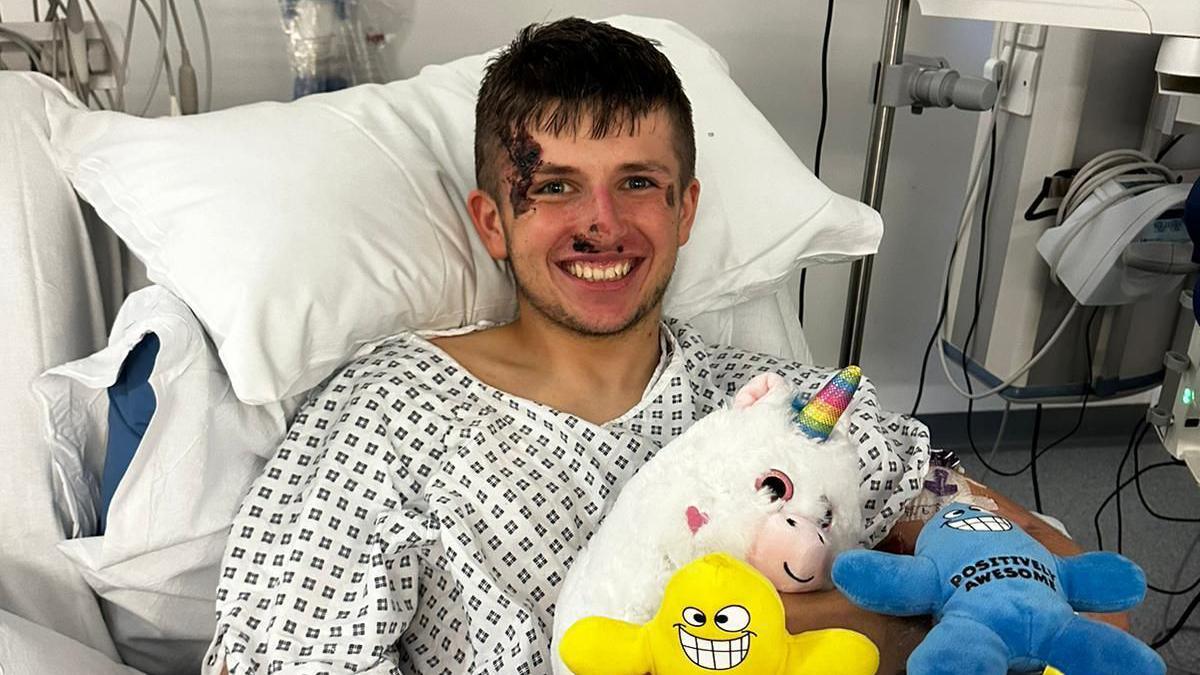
1139,431
821,130
1121,486
1162,640
941,320
1033,456
937,328
1146,505
1142,496
982,258
1139,434
978,306
1087,390
824,89
1181,591
1087,385
1167,148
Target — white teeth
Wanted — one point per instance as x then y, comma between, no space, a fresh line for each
714,654
599,273
982,524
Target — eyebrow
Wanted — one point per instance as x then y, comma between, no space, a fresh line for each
556,169
644,167
551,169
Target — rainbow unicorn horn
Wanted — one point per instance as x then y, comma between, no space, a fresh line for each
818,417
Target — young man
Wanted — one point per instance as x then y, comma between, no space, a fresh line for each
422,512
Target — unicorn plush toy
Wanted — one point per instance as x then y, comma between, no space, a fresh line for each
771,480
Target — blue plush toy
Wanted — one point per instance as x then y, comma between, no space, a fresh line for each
1001,600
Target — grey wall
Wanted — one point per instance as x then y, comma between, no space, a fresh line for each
773,48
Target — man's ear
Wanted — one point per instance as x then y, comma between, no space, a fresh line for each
485,215
691,197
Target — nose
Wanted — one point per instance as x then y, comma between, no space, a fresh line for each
606,222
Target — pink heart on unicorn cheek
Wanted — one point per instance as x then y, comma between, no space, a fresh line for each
695,519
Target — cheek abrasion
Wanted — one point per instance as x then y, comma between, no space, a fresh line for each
671,195
526,157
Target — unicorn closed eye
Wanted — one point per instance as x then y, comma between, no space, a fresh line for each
772,480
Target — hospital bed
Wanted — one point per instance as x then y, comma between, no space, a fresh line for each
90,200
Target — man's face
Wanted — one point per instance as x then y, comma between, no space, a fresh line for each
591,227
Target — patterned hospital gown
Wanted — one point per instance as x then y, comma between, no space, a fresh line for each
417,520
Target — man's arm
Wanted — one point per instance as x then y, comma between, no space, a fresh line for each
326,546
896,637
903,537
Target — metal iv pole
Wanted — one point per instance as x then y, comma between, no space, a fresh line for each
891,54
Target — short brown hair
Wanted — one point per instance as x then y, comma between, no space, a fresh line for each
554,74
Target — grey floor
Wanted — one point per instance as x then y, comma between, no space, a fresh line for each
1076,477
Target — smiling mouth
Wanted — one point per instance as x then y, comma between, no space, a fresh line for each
714,654
788,571
981,524
599,272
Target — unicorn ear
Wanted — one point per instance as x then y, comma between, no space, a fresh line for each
820,415
756,389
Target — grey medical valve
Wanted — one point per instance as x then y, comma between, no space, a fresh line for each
1176,361
943,88
925,82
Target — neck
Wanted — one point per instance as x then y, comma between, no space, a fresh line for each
604,364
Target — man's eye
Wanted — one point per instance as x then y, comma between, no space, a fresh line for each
639,183
554,187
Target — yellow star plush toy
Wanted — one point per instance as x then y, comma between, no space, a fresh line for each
717,614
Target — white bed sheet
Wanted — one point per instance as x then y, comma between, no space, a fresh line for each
29,649
53,311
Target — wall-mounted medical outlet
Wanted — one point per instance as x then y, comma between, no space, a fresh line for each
1022,86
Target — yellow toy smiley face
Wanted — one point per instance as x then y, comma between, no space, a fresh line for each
718,614
721,652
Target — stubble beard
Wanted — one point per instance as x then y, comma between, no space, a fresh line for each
559,316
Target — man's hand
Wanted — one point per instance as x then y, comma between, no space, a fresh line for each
903,538
895,637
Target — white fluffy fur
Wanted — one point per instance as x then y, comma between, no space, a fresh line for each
644,539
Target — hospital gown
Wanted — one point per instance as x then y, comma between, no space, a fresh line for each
418,520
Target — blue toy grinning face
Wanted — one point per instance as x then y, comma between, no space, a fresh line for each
974,519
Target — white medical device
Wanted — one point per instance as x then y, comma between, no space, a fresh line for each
1112,252
1176,417
1075,96
1160,17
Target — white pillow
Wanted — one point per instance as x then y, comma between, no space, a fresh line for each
155,567
299,232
